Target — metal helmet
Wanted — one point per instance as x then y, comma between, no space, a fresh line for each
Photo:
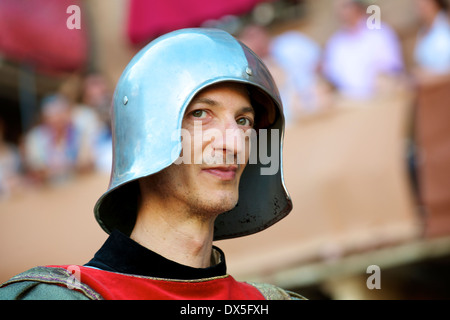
149,103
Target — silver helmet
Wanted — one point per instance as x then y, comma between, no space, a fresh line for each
150,99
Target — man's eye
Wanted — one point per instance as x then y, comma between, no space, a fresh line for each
199,113
244,122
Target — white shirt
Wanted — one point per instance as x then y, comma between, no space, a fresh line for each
354,58
432,50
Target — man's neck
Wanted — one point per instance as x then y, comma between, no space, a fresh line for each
178,237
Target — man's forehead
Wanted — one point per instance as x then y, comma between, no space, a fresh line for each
208,95
232,86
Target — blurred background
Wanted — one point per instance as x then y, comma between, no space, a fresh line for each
366,88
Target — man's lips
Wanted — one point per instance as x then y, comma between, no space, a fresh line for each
222,172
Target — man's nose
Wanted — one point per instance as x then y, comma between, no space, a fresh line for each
229,139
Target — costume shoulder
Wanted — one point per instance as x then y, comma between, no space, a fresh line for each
46,283
271,292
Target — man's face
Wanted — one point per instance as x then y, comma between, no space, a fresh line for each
215,151
348,12
56,115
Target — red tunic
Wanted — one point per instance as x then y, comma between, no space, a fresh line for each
118,286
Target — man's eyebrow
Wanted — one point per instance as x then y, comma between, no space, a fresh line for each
248,109
205,101
213,103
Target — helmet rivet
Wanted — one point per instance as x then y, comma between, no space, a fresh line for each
125,100
249,71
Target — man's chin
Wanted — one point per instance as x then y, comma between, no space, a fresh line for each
219,205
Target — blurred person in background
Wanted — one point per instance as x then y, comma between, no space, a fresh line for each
299,56
51,149
91,117
432,51
10,165
357,57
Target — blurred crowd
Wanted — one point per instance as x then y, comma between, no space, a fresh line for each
357,62
72,136
361,60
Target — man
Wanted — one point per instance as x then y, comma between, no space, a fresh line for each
181,177
356,56
52,149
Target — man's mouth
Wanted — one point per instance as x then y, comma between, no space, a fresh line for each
225,173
